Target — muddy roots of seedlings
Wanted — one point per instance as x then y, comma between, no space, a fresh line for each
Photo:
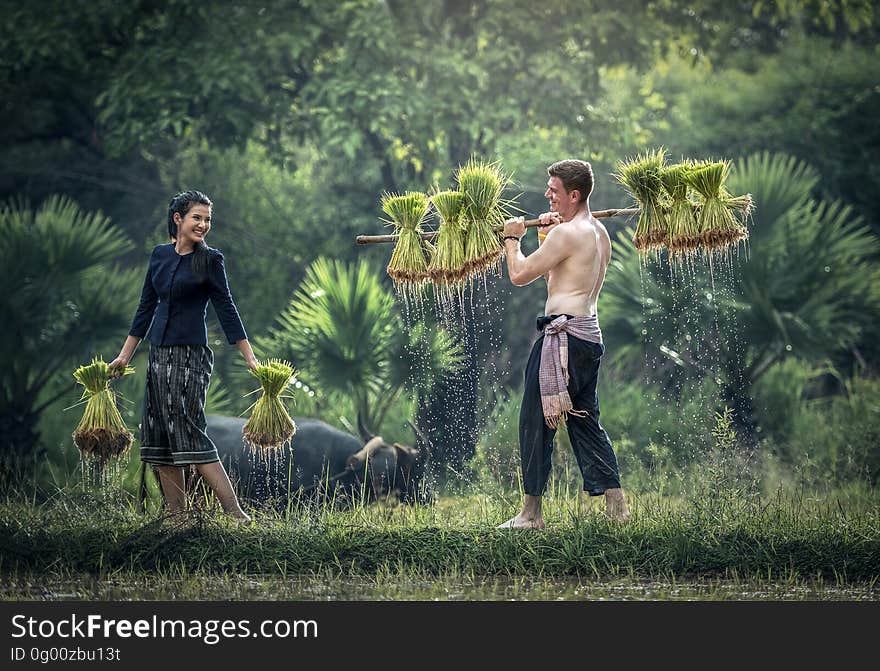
103,444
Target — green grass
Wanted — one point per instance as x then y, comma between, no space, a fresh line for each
834,539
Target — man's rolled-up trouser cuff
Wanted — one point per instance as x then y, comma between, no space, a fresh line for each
598,491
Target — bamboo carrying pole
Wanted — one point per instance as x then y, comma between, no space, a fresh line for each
529,223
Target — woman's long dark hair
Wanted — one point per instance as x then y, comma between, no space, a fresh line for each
181,203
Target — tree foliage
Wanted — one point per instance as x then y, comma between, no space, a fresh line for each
343,331
62,300
813,99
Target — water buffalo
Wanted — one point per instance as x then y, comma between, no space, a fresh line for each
328,464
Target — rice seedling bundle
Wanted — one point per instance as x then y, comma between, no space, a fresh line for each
447,258
681,211
718,224
482,185
743,206
101,433
641,177
408,266
270,426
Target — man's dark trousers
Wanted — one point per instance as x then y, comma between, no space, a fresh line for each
592,447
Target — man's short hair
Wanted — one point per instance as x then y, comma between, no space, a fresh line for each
574,174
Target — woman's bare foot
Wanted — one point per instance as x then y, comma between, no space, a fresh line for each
238,515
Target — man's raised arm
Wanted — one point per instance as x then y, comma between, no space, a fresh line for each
526,269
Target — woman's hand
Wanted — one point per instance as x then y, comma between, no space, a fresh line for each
244,346
118,365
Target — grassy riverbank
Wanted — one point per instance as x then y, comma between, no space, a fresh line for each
787,537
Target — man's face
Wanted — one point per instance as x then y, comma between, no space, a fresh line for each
560,200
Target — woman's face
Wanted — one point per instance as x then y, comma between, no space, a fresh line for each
195,225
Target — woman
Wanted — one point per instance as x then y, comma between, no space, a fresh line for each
181,277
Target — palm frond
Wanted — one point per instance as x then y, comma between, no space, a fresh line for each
777,182
337,328
62,300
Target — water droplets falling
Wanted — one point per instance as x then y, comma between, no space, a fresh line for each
452,408
97,474
268,472
688,333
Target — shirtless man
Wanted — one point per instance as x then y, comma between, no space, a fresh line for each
563,367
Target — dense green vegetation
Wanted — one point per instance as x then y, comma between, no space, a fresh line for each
295,117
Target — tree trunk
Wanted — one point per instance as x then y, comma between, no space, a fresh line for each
19,443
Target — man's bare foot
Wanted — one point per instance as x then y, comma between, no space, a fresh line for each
520,522
615,505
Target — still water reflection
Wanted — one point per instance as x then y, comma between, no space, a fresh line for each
372,588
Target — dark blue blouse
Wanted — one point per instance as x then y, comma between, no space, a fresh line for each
174,301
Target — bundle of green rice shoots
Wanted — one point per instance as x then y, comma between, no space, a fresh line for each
101,433
743,206
408,266
484,211
641,178
446,267
681,211
270,426
718,223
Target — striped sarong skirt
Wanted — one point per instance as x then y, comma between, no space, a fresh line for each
173,424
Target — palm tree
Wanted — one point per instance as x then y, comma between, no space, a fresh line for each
812,284
343,329
808,286
62,301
